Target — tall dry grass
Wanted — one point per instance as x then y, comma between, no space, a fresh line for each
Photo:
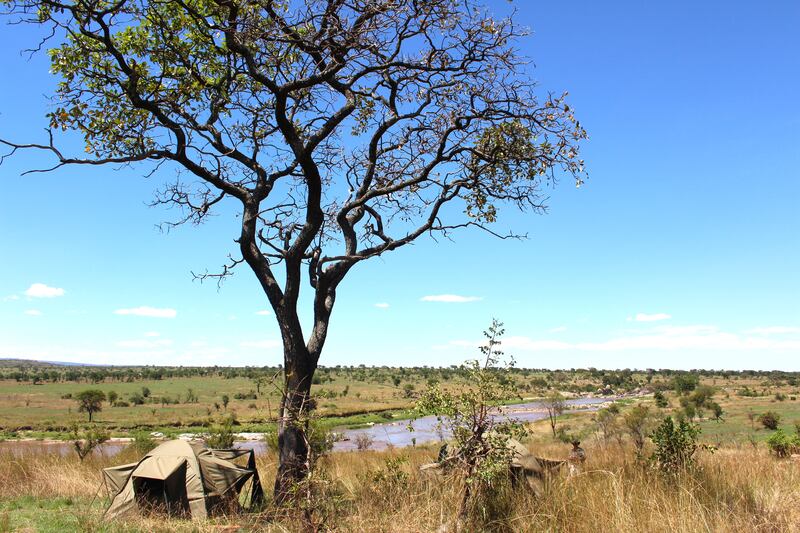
734,490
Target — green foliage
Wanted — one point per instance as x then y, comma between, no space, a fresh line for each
637,422
392,479
90,401
142,442
607,420
783,445
661,400
675,445
770,420
685,383
84,439
474,418
112,397
221,435
136,398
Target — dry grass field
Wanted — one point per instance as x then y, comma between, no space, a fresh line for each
735,488
740,486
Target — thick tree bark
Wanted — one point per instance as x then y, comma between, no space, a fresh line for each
293,451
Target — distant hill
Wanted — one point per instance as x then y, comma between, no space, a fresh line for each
11,362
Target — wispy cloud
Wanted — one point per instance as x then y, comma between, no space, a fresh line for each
559,329
268,343
10,298
40,290
774,330
152,334
144,310
655,317
264,312
382,305
33,312
450,298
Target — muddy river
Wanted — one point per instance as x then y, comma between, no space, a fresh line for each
383,435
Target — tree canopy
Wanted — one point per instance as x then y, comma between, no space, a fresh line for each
342,129
90,401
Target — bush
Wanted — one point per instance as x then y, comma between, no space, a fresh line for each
136,398
84,440
142,442
363,441
783,445
770,420
684,383
221,436
675,445
391,480
121,403
661,400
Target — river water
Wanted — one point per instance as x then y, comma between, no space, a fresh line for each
383,435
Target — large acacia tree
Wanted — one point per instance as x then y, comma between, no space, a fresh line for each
342,129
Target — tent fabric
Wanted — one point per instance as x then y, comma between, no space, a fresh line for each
180,477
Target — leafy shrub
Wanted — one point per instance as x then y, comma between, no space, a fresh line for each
84,440
661,400
391,480
136,398
142,442
675,445
250,395
783,445
121,403
221,436
684,383
770,420
480,437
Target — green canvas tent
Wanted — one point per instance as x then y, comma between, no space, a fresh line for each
182,479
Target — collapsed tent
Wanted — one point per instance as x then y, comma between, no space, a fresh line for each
181,478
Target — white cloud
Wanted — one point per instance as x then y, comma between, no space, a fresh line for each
264,312
450,298
144,344
774,330
40,290
382,305
559,329
10,298
152,334
33,312
655,317
144,310
269,343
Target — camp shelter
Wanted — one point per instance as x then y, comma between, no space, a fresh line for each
183,478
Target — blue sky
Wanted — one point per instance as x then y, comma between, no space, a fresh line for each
681,251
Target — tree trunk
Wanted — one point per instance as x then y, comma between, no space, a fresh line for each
292,443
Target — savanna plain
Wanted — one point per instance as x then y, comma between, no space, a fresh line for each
729,463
